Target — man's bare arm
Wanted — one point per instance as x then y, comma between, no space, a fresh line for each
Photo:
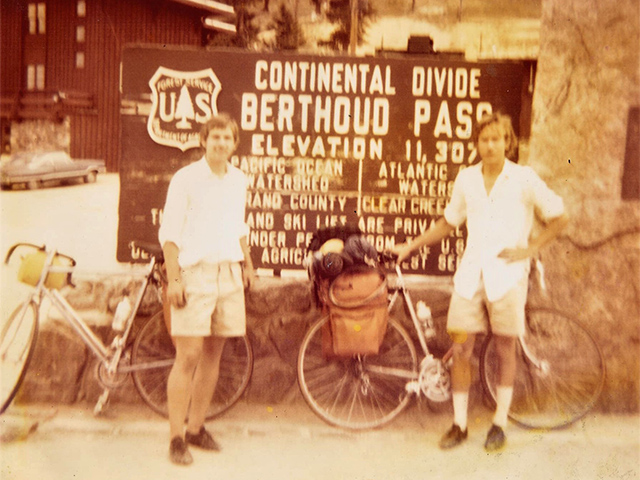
433,235
175,288
248,272
551,230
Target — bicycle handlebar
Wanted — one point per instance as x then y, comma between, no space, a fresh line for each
153,249
389,259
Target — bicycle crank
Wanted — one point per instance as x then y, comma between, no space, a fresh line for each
110,380
434,380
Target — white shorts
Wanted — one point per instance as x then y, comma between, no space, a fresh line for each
505,316
215,302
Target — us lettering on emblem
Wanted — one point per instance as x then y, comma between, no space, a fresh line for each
180,103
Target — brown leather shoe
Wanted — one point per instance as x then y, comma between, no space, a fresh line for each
179,453
454,437
496,439
202,439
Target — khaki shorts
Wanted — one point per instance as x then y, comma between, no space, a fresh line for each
504,316
215,302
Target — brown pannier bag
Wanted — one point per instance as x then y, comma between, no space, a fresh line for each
357,303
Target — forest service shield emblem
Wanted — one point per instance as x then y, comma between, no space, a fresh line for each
180,103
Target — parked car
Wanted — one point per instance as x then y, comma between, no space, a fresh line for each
33,169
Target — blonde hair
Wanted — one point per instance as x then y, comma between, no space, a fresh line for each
511,140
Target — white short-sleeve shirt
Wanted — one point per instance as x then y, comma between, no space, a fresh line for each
502,219
204,215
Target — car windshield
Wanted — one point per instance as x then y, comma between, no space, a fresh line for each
39,162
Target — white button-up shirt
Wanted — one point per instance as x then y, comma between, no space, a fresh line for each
502,219
204,215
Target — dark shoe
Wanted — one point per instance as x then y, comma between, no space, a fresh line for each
179,453
455,436
202,439
495,439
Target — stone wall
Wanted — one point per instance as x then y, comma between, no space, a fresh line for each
34,135
279,312
587,79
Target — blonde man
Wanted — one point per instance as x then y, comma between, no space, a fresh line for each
204,240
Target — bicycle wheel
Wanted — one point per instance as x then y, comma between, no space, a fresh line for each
357,392
561,377
18,340
154,348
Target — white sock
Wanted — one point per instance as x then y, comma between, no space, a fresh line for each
503,401
460,408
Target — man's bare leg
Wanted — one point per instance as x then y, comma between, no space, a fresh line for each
506,353
204,382
188,353
460,382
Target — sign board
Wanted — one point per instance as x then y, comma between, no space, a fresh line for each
325,141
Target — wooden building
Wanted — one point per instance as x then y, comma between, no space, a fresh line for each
61,59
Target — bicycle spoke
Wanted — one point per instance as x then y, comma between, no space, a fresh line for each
358,392
17,343
321,375
569,381
154,344
340,387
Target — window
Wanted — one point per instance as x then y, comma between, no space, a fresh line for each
31,77
80,34
631,171
32,18
37,15
79,59
35,77
40,77
42,18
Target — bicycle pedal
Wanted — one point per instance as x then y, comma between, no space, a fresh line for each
102,401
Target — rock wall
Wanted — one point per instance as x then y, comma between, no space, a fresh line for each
588,78
40,135
279,312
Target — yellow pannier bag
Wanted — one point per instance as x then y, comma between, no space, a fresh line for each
358,312
32,265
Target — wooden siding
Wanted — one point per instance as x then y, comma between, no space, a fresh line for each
10,45
109,25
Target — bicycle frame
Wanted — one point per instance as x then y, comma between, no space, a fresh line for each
109,356
412,377
401,289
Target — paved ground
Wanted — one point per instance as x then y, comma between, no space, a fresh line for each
261,442
80,220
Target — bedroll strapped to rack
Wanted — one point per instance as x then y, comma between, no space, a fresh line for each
352,289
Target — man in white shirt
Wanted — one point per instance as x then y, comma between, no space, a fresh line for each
204,240
498,200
